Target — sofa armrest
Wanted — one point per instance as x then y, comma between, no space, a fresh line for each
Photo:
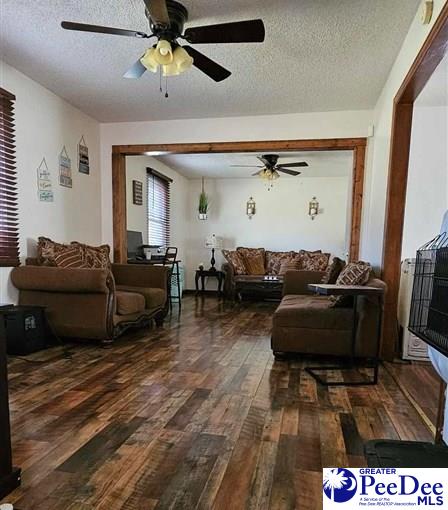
58,279
296,282
141,275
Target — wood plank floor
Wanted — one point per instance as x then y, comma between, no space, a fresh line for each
195,415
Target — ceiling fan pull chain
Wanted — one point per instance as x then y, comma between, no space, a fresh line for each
166,87
160,79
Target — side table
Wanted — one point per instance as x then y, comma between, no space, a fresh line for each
354,291
202,274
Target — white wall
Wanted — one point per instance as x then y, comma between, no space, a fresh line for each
281,221
137,215
378,156
426,199
274,127
44,124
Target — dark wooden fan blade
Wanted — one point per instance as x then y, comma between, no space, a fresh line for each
237,32
258,173
286,171
83,27
246,166
136,71
293,165
158,11
265,161
207,66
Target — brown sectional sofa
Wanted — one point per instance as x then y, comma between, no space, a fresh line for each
309,324
94,303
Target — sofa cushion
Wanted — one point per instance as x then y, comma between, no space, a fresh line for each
313,312
129,302
254,263
71,256
47,250
333,271
291,264
154,298
97,257
274,260
354,273
235,260
314,261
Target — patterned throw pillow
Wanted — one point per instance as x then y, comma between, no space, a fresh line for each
95,257
254,263
354,273
333,271
235,260
314,261
274,260
47,250
72,256
292,264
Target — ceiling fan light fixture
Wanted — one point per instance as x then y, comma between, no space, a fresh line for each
170,70
182,59
163,53
149,60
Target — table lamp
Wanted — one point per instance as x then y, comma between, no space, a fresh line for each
215,243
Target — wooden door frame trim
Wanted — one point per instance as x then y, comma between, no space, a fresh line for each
427,60
119,153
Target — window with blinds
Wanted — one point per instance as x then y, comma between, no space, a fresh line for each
9,236
158,189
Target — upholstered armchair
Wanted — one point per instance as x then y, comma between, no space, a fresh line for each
92,303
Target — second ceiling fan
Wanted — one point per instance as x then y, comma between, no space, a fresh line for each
271,168
166,22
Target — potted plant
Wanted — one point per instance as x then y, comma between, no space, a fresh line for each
203,203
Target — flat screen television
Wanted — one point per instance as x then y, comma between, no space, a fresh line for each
135,243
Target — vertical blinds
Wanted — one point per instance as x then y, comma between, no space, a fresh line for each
9,237
158,188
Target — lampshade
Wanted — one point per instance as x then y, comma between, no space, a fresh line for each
163,53
213,242
182,59
170,70
149,60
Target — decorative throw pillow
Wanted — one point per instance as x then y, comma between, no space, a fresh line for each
314,261
72,256
292,264
274,260
235,260
354,273
254,263
95,257
47,250
333,271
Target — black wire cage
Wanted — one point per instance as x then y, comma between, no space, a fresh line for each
429,305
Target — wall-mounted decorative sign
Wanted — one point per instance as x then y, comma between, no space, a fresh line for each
83,157
44,187
137,193
65,169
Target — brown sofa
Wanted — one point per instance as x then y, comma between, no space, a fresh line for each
94,303
307,323
238,284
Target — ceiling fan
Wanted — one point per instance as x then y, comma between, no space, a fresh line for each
270,168
166,23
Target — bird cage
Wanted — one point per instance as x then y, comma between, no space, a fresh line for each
429,305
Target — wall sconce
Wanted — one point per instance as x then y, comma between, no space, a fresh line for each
313,209
250,208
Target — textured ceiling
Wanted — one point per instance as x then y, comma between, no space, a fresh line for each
218,166
319,55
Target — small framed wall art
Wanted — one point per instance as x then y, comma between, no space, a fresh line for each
83,157
137,192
